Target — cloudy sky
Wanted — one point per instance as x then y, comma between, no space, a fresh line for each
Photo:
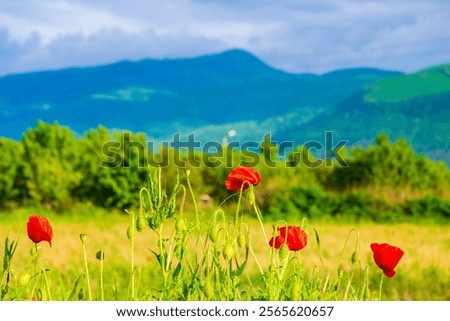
292,35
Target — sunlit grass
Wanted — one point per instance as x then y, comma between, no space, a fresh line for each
422,274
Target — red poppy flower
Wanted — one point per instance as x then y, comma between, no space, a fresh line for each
293,236
39,229
386,257
242,175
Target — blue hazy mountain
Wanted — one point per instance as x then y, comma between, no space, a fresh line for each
211,95
208,95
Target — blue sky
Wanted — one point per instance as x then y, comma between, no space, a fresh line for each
295,36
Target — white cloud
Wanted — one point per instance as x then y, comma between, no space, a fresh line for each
300,36
52,19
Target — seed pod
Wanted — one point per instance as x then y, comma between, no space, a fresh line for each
228,252
141,223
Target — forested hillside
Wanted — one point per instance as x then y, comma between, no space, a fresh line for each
52,167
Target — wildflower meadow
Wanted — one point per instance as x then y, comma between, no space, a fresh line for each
165,250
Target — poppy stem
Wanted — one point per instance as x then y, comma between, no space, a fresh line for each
102,293
191,191
285,263
47,285
258,265
163,257
83,241
142,201
365,294
259,215
35,254
346,242
381,287
238,208
132,226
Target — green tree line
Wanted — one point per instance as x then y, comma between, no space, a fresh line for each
52,167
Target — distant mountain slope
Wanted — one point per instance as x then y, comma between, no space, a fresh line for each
414,106
432,81
209,94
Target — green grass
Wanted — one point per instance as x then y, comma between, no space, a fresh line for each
423,273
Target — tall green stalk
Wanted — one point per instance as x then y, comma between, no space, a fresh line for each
191,191
35,254
47,285
260,219
381,287
131,235
88,280
101,256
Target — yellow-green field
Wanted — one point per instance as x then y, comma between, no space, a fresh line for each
422,274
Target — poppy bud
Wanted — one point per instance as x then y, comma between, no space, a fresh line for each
141,223
228,252
179,251
130,232
354,258
241,240
180,225
83,238
214,233
100,255
81,294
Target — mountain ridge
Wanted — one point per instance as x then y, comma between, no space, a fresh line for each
225,88
212,94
